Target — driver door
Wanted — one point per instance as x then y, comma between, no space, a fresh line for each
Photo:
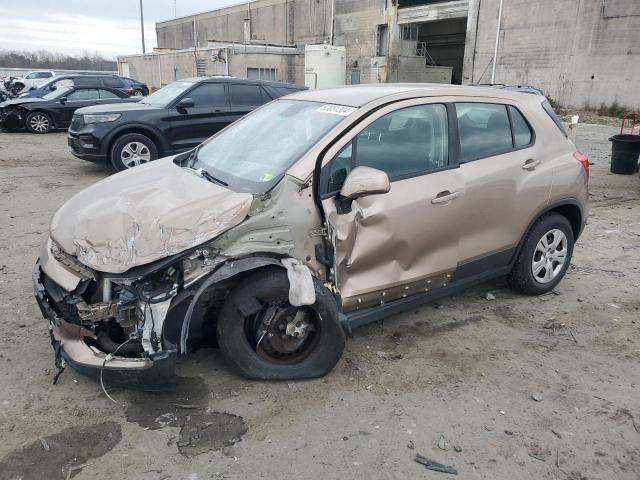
78,98
403,242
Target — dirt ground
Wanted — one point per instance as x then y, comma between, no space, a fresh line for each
511,388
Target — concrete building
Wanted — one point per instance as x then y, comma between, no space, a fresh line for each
581,52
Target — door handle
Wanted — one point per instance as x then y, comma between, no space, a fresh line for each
530,164
444,197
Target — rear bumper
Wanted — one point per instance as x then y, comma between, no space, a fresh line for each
154,373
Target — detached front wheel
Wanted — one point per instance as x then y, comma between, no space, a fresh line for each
265,337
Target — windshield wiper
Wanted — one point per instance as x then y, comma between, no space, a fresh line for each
204,174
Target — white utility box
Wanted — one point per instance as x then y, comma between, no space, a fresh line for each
325,66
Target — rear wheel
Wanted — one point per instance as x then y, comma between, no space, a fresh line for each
263,336
544,257
131,150
39,122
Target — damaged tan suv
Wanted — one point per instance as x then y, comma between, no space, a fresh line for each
314,214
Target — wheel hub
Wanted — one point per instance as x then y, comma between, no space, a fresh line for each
549,256
286,334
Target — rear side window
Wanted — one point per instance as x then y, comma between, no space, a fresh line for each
549,109
483,129
113,82
84,94
207,95
107,94
522,135
282,91
88,81
245,95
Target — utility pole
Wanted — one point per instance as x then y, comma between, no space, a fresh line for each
142,26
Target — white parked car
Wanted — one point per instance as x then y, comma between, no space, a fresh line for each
32,79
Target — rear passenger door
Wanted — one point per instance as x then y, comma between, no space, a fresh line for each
405,241
244,97
189,127
507,179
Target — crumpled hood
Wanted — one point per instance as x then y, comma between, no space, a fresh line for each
20,101
144,214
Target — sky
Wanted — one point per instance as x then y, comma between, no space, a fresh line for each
109,27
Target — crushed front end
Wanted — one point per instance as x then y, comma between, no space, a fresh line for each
106,326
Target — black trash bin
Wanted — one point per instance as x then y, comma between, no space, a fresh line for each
625,151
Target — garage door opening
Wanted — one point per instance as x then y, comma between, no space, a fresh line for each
443,42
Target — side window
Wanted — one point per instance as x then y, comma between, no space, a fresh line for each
107,94
89,81
83,94
207,95
44,75
31,76
65,82
408,141
113,82
266,97
522,134
245,95
483,129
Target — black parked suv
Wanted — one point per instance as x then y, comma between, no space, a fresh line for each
174,119
125,85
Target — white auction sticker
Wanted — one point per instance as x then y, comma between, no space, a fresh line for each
336,109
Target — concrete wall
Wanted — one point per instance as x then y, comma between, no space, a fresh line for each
163,68
581,52
273,21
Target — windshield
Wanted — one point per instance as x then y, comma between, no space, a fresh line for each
252,154
164,96
57,93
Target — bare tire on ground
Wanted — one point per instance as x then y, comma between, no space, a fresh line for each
264,337
39,122
131,150
544,257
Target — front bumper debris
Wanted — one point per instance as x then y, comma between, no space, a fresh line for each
155,372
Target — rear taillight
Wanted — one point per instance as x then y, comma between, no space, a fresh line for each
582,158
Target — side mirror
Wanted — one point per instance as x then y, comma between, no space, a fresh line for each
362,181
52,88
185,103
63,100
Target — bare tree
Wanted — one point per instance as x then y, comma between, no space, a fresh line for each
55,60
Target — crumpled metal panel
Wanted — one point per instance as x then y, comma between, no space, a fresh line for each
144,214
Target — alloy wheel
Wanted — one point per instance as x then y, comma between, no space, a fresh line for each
39,123
134,154
549,256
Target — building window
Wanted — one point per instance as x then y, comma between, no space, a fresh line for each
409,32
382,40
262,74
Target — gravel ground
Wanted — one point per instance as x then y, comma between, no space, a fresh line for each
515,387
